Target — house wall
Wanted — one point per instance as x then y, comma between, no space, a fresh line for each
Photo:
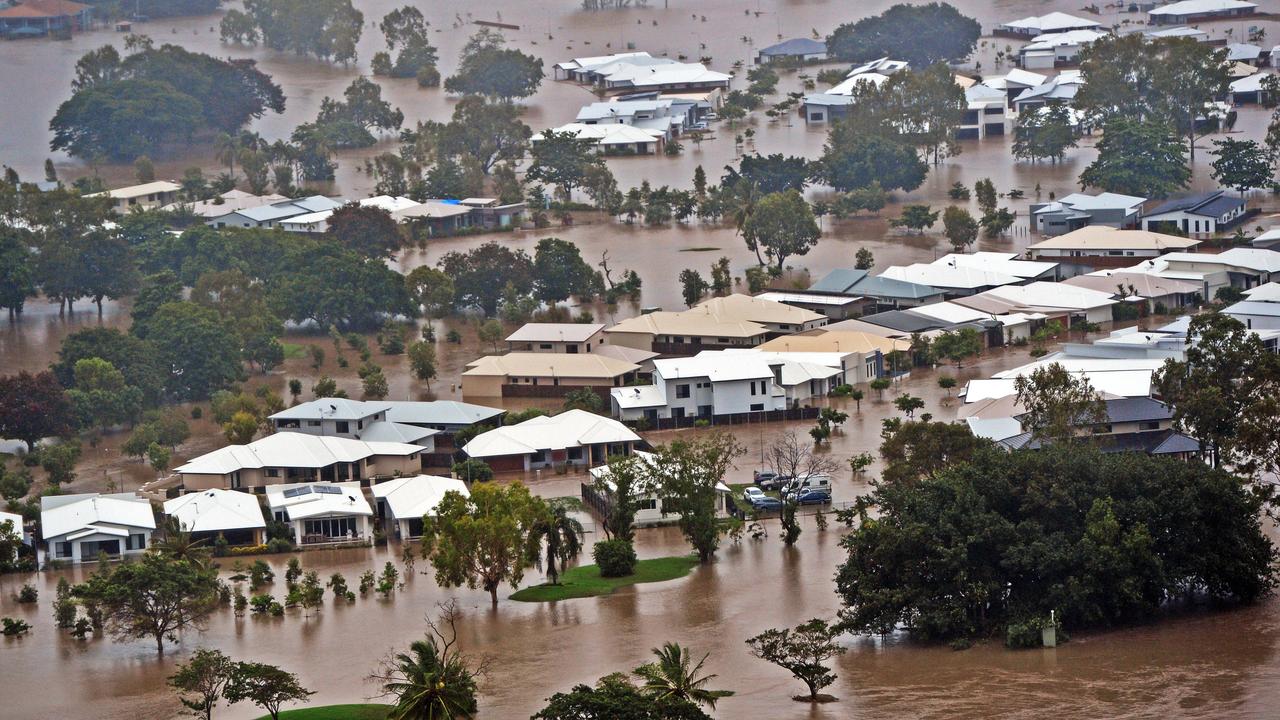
639,341
1258,322
329,426
1055,254
364,529
83,550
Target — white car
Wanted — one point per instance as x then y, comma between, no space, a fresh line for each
752,494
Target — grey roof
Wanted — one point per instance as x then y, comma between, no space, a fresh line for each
1153,443
1176,443
1211,204
1137,409
1253,307
440,412
828,99
905,321
332,409
795,46
395,432
848,281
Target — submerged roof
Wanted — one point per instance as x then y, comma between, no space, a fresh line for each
572,428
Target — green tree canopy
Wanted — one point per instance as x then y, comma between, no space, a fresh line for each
919,34
782,225
482,275
326,29
487,68
559,272
1137,157
481,540
155,597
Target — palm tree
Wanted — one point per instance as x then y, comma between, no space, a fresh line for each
227,147
563,536
675,676
178,544
432,681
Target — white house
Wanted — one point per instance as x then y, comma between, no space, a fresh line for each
1036,25
322,512
627,75
1256,315
18,527
288,457
272,215
225,204
649,504
574,437
710,384
206,514
405,501
1061,90
354,419
575,68
147,196
1058,48
1248,89
613,138
658,114
1200,214
986,113
954,278
1052,299
1191,10
318,222
78,527
1270,293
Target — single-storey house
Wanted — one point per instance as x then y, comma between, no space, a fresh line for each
663,115
1248,90
403,502
1270,292
19,527
290,457
225,204
274,214
1052,299
33,18
576,68
735,320
648,505
955,279
1256,315
794,50
574,437
206,514
614,138
147,196
1180,31
825,107
834,306
569,338
1200,214
888,293
322,512
76,528
1102,246
492,213
1246,53
541,374
629,76
1187,11
1078,210
859,356
1058,48
1036,25
1152,289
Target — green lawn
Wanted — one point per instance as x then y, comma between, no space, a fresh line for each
293,351
372,711
585,580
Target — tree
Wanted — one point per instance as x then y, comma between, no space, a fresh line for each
203,679
789,456
560,272
134,358
782,225
771,174
916,217
373,382
17,271
432,290
369,231
482,275
959,227
1057,402
626,482
982,545
675,676
422,360
405,29
327,29
562,536
919,34
803,651
721,277
957,345
1045,132
491,331
241,428
692,286
434,679
486,68
201,352
472,470
853,158
489,132
266,686
615,697
33,407
154,597
584,398
685,474
100,397
985,192
1215,389
908,404
480,541
561,159
1241,164
1137,158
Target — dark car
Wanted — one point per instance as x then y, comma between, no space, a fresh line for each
767,504
769,480
813,497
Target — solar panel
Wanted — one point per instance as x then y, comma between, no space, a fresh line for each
328,490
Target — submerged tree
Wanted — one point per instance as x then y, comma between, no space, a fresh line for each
434,679
804,651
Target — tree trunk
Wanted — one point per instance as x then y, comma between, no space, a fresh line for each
493,595
160,644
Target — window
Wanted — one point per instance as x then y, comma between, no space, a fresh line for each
235,480
723,341
757,407
1102,429
313,423
135,542
544,346
343,426
753,387
63,549
682,391
359,424
330,527
273,472
1150,425
575,453
647,504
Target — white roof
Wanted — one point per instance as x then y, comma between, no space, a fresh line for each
1265,293
1054,21
948,276
431,209
572,428
1102,237
1252,83
555,332
291,450
671,73
1121,383
386,431
1062,39
13,518
883,65
1051,296
409,498
1016,76
847,86
332,409
716,366
1006,263
608,134
620,109
950,312
1102,201
638,396
808,298
92,512
215,510
440,412
226,203
133,191
1256,259
596,60
1196,7
318,499
1181,31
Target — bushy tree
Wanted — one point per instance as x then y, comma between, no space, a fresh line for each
487,68
481,540
919,34
804,651
1137,157
155,597
782,225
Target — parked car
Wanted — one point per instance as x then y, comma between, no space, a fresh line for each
752,494
710,116
700,125
811,482
765,504
812,497
770,480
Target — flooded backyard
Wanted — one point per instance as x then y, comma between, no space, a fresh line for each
1203,665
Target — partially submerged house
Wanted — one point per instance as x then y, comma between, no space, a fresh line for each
986,113
404,502
1078,210
887,293
1153,290
228,202
355,419
291,457
1059,90
541,374
860,357
1200,214
1036,25
1102,246
322,512
34,18
274,214
613,138
569,338
795,50
1187,11
1058,48
207,514
732,321
147,196
834,306
77,528
649,511
574,437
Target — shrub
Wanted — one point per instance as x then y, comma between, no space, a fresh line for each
28,594
279,545
261,603
1023,634
616,558
473,470
13,627
197,412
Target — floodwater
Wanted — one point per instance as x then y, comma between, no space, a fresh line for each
1202,666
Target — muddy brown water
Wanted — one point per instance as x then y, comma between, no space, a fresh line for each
1201,665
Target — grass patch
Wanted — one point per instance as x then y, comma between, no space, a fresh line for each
585,580
294,351
701,248
568,502
369,711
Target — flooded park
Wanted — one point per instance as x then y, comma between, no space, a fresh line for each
1199,664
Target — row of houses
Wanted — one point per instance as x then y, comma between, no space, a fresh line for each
1205,213
631,72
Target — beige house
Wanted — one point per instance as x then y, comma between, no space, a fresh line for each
291,457
732,321
543,374
861,357
147,196
1103,246
557,338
